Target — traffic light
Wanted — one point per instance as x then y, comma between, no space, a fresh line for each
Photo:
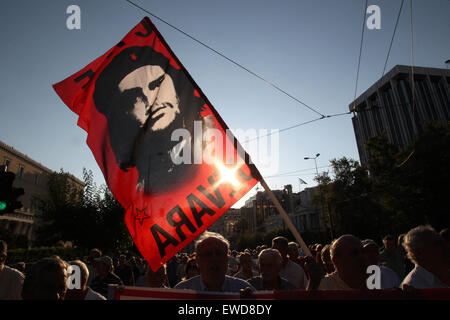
8,194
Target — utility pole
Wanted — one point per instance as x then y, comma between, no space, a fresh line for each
321,196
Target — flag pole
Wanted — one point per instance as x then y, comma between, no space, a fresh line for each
285,217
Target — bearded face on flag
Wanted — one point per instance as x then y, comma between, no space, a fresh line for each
145,99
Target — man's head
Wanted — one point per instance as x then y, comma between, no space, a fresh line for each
122,259
245,261
293,250
348,257
270,264
84,272
425,247
282,245
145,99
46,280
390,243
191,268
104,265
3,252
371,251
326,259
157,101
212,256
94,254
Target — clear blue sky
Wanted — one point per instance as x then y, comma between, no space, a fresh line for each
308,48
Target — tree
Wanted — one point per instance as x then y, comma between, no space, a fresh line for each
412,184
349,199
241,226
89,218
60,212
404,187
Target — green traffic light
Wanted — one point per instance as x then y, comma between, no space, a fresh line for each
2,205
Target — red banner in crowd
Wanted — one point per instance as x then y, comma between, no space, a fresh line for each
141,293
146,121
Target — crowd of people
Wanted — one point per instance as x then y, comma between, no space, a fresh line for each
417,259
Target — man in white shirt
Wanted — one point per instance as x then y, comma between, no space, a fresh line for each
425,248
291,271
83,292
212,261
11,280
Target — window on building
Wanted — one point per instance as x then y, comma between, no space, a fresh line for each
36,178
7,164
21,171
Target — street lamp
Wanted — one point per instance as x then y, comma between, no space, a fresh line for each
321,197
315,161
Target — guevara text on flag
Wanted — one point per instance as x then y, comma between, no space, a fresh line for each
157,139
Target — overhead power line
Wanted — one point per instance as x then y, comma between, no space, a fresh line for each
229,59
297,171
298,125
393,36
360,48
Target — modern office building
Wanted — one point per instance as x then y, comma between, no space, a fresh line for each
388,105
32,177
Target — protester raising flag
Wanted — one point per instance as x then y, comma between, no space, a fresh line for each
167,156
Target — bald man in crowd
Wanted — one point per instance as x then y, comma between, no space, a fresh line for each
350,265
270,264
84,292
212,260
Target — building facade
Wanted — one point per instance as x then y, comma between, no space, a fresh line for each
263,216
32,177
388,106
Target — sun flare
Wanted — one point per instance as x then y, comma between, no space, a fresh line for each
227,174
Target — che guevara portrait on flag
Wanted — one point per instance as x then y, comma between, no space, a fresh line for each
144,99
130,101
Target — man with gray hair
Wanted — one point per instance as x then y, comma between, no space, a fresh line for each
350,265
83,292
212,260
106,275
270,264
425,248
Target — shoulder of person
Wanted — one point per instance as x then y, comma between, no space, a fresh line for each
416,278
241,282
254,279
286,285
93,295
186,284
115,277
388,271
256,282
328,282
14,272
291,264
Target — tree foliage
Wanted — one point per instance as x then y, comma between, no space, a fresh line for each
404,188
88,218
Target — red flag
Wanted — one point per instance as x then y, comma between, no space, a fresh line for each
148,125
